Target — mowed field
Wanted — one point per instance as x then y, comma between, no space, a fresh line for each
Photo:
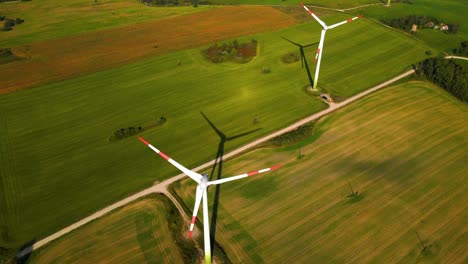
136,233
64,58
57,165
403,149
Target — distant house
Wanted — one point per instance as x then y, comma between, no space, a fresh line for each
429,24
414,28
443,27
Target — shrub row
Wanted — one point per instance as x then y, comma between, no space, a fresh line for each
293,136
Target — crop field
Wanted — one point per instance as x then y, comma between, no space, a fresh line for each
447,11
403,149
46,19
64,58
136,233
55,155
324,3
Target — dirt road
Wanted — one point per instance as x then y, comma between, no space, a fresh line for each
162,187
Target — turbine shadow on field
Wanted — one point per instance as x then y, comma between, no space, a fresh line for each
218,166
25,252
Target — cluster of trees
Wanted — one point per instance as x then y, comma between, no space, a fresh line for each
407,22
130,131
447,74
293,136
233,51
462,50
125,132
9,23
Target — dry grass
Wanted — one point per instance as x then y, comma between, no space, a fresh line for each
137,233
65,58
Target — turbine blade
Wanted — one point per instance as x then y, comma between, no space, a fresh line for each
344,22
198,198
233,178
206,228
299,45
195,176
314,16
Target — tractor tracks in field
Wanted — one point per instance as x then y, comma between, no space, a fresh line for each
162,187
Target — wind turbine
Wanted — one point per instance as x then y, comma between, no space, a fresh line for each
318,56
201,193
303,57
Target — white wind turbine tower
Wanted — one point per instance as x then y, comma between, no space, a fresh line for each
318,56
203,183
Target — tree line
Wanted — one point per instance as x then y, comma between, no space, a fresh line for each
462,50
448,74
407,22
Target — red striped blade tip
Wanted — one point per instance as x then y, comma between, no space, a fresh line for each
252,173
276,167
189,234
360,16
144,141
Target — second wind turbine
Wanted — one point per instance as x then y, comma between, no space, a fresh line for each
318,56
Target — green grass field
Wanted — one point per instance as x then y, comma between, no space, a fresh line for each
403,149
58,167
136,233
47,19
448,11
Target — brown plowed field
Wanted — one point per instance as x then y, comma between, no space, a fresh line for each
64,58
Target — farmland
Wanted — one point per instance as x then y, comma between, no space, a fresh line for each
403,149
448,11
137,233
323,3
55,136
64,58
46,19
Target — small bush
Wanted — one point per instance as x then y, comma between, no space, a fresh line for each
290,58
266,70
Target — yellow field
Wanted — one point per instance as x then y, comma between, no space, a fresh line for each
137,233
404,149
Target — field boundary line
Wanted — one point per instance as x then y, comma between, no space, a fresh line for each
162,187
